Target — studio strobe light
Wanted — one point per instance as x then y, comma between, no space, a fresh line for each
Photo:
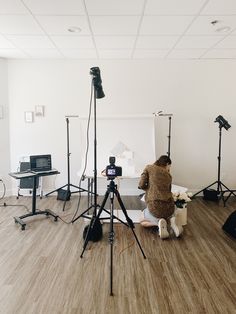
221,187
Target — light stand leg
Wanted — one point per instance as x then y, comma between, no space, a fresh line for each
204,189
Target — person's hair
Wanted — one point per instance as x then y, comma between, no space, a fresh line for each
163,161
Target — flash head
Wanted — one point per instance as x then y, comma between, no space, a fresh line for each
222,122
97,82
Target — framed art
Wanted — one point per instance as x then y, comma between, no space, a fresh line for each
1,112
39,111
29,116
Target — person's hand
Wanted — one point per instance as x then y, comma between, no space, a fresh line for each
103,173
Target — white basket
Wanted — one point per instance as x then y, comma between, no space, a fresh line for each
181,215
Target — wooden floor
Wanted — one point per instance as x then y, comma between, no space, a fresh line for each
41,270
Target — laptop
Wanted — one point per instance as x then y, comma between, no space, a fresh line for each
41,164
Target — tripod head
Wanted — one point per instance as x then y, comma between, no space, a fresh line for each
112,186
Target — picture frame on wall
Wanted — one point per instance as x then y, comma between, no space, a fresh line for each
39,111
29,116
1,112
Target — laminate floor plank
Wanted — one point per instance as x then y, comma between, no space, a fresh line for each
41,270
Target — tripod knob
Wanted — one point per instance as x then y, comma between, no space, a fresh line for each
111,237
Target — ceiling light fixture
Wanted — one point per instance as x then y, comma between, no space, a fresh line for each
74,29
221,28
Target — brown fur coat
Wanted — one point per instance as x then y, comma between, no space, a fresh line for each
156,182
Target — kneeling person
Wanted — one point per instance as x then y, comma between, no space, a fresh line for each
156,182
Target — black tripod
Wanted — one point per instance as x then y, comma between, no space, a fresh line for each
218,182
111,191
68,185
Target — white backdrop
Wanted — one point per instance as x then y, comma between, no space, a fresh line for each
136,133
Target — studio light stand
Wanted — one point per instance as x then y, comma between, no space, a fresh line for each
68,185
111,191
221,187
97,93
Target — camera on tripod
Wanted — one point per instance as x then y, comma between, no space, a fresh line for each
113,171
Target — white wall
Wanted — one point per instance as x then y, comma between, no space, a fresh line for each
194,91
4,128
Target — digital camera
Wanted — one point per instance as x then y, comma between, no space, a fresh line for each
113,171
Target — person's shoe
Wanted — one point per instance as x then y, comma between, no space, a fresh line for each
163,232
176,227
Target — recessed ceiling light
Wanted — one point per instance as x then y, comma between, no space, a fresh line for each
74,29
220,27
223,29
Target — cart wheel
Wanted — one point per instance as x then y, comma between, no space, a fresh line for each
23,227
55,219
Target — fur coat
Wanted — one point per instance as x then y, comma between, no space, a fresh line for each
156,182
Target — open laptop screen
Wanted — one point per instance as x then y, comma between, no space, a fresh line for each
40,163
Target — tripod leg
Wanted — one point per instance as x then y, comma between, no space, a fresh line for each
129,221
82,214
221,192
86,240
93,222
204,189
67,197
111,241
78,188
124,223
56,190
231,191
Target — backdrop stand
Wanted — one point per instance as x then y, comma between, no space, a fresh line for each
169,115
68,185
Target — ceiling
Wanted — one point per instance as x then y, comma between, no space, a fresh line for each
118,29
